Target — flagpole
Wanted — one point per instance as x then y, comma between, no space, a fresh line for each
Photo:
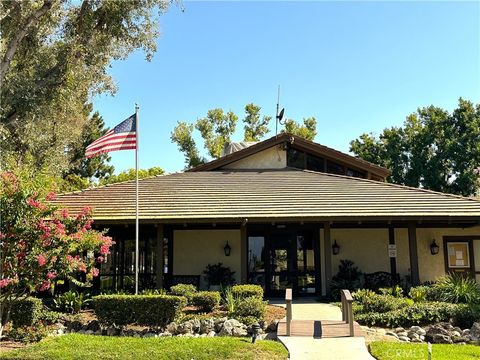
136,200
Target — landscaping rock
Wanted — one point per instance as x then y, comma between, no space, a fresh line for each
402,333
404,338
207,325
399,329
417,340
441,339
475,331
392,333
88,332
233,327
211,334
172,328
219,324
93,325
435,330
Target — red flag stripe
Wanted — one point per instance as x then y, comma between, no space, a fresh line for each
107,138
113,142
89,155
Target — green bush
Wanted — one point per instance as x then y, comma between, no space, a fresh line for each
362,294
382,303
26,312
154,292
348,277
418,293
396,291
206,300
244,291
29,334
186,290
71,302
149,310
252,306
230,300
457,288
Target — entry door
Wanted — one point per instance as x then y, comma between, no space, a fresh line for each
476,257
280,264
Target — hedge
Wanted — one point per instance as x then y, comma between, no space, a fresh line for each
248,290
187,290
206,300
148,310
251,306
26,312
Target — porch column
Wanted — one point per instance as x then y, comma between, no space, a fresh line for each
243,254
159,256
393,260
412,246
327,249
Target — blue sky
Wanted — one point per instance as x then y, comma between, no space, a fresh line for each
356,66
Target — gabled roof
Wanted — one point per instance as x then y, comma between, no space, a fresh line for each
270,195
301,144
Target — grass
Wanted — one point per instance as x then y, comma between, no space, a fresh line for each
76,346
401,351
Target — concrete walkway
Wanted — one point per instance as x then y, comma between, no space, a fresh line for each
308,348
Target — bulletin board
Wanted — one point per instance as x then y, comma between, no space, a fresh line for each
458,255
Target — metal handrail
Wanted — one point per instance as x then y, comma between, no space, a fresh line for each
347,309
288,300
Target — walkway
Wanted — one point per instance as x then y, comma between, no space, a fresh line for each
316,335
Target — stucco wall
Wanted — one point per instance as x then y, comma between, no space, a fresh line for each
368,248
271,158
193,250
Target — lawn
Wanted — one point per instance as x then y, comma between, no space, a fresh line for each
402,351
76,346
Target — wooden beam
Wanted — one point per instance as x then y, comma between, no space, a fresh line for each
412,247
243,254
393,260
327,249
159,256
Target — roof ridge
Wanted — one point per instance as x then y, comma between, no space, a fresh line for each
395,185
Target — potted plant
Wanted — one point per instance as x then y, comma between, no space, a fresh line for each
218,275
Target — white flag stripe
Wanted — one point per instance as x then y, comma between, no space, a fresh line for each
114,142
108,138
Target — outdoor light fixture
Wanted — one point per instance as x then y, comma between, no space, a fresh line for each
335,248
255,330
434,248
227,249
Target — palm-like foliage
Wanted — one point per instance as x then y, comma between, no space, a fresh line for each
457,288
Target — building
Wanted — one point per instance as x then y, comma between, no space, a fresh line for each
282,213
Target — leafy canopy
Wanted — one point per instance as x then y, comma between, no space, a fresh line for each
434,149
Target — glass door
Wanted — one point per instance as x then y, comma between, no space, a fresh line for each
281,271
305,263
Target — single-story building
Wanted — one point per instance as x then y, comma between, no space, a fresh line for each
282,213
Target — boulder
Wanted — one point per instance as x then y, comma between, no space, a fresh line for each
399,329
402,333
233,327
207,325
185,328
475,331
211,334
436,330
219,324
441,339
392,333
172,328
404,338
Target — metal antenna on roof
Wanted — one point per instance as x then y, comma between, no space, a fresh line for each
279,115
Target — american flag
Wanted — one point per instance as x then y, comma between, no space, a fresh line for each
121,137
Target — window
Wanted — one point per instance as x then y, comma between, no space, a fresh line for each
334,168
296,158
256,260
315,163
355,173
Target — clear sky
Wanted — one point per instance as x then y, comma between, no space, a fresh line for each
356,66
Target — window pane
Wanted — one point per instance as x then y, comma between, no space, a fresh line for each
355,173
296,158
315,163
256,253
334,168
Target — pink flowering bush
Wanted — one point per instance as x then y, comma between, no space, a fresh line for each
41,244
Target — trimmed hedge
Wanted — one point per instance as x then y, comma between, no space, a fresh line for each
251,307
206,300
148,310
187,290
248,290
26,312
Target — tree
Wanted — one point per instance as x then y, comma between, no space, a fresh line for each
41,244
255,126
129,174
54,56
182,136
434,149
307,131
95,168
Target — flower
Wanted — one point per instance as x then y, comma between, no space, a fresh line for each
50,196
105,249
64,213
51,275
4,282
95,272
41,260
44,286
100,259
34,203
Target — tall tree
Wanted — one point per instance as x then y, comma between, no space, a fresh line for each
182,136
256,127
54,56
216,130
434,149
308,130
129,174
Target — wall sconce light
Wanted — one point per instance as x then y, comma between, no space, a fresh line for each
335,248
227,249
434,248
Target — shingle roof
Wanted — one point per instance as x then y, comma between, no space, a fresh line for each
268,194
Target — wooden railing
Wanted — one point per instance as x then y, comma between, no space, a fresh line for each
288,301
347,311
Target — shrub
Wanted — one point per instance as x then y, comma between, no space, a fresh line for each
26,312
186,290
217,274
71,302
348,277
418,293
252,306
149,310
456,288
363,294
154,292
230,300
29,334
384,303
244,291
206,300
247,320
395,291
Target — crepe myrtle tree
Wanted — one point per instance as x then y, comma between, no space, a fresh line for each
41,245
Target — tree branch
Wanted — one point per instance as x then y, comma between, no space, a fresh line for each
22,31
